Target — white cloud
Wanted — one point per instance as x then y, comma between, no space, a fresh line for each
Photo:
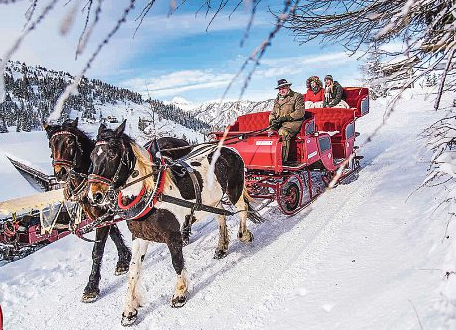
177,82
180,82
175,91
178,23
46,46
294,65
306,59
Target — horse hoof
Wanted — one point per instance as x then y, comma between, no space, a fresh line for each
89,297
178,301
121,269
220,254
245,238
128,321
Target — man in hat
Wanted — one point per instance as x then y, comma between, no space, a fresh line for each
287,115
333,94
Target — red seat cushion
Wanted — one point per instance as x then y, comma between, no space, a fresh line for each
251,122
353,96
332,119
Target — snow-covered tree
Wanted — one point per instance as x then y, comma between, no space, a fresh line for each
425,33
424,30
373,75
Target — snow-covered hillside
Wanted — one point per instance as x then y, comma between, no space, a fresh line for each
32,92
182,103
32,148
366,255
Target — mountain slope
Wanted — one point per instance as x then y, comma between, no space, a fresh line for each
363,256
32,92
220,115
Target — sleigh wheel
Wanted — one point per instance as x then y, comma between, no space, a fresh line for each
289,196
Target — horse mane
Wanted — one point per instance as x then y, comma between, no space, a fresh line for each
143,163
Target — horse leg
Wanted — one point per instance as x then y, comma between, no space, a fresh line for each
224,238
187,229
92,290
244,234
122,250
134,297
175,248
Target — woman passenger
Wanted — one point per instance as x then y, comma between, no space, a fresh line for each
315,93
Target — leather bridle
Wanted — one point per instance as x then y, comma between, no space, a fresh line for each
77,192
61,161
125,160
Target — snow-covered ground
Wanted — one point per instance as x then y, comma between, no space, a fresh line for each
30,148
33,148
366,255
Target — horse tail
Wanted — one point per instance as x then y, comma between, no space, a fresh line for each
252,214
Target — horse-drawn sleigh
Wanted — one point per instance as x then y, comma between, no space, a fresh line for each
162,188
324,146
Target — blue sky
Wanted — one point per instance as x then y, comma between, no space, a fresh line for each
174,56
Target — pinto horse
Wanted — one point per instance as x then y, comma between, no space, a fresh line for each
71,149
118,162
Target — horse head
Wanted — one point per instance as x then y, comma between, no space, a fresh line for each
67,150
113,161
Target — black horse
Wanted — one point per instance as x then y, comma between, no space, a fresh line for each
71,150
118,162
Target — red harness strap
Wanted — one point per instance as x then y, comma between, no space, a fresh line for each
157,192
95,178
133,203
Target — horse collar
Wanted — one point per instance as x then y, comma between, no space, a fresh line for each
145,201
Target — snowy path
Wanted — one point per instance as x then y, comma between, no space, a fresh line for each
357,258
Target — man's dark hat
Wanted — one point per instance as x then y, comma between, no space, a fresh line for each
328,76
282,83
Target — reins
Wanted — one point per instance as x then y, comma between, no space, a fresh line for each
209,144
157,195
240,137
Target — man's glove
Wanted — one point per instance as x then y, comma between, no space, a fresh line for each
275,123
285,118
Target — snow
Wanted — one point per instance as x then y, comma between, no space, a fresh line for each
132,112
371,254
33,148
182,103
226,113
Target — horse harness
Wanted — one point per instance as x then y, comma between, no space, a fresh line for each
145,203
61,161
74,194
